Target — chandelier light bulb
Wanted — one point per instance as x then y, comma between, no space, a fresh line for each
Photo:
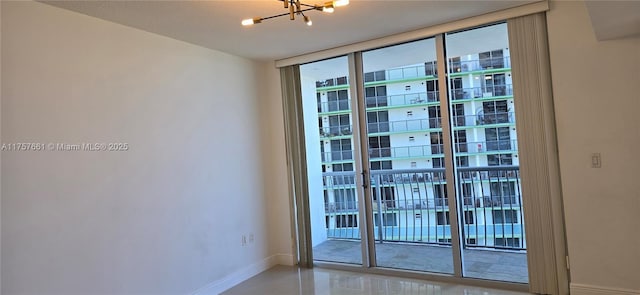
339,3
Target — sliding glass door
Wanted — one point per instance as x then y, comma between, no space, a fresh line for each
413,159
485,147
406,158
333,195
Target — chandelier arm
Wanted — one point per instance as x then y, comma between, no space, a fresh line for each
283,14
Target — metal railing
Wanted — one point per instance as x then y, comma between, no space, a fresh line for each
486,146
334,106
417,151
484,119
479,64
337,130
412,206
401,99
418,98
481,92
406,72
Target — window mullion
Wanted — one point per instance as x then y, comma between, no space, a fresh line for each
447,137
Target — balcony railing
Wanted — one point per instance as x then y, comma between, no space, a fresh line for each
334,106
412,206
337,130
486,146
482,92
406,72
484,119
479,64
402,99
418,98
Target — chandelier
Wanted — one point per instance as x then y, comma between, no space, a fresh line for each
297,8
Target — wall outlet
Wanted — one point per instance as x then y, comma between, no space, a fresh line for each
251,238
243,242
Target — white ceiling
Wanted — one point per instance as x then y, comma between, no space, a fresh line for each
216,24
615,19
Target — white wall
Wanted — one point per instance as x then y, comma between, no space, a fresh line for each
164,217
596,92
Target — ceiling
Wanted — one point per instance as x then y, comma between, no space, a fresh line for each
216,24
614,19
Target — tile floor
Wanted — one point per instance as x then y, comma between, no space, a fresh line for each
288,280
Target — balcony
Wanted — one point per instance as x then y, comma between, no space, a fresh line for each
484,119
411,216
482,92
412,99
485,64
418,99
403,73
335,131
489,146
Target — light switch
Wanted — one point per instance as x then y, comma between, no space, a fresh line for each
596,160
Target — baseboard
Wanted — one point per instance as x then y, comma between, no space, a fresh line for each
284,259
581,289
226,283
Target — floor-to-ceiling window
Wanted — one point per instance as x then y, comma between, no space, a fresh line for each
442,190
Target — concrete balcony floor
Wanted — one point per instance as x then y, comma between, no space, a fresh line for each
478,263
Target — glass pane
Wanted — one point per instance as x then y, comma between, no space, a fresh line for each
333,199
488,179
410,210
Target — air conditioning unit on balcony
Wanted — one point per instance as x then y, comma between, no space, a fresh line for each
487,94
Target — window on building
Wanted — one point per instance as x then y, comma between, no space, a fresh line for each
458,115
467,194
349,220
379,147
494,85
491,59
381,165
437,144
374,76
495,112
341,80
505,216
376,96
468,217
462,161
378,121
442,218
339,125
341,150
338,100
434,117
455,65
456,89
432,91
497,139
342,167
503,193
440,195
507,242
430,68
345,199
438,162
460,138
388,199
500,160
388,219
